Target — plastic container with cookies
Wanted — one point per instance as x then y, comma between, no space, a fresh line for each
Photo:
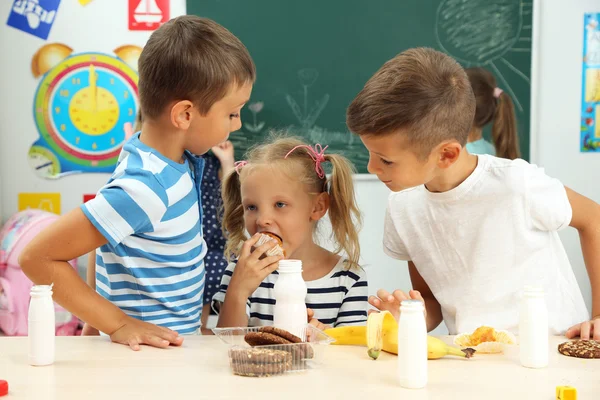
486,340
267,351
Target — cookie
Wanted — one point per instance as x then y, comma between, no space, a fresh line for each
580,348
268,336
264,339
259,362
256,355
282,333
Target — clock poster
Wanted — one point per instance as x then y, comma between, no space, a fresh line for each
80,108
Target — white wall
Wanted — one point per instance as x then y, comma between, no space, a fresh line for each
555,131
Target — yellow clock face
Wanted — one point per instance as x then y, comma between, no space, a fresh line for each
92,109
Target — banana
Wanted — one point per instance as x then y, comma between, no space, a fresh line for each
349,335
381,333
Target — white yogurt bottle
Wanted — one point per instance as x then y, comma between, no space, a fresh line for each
41,326
533,328
290,298
412,345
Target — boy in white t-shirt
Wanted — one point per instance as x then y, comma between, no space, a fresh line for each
474,229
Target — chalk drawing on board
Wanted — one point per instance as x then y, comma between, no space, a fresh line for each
255,126
481,32
305,116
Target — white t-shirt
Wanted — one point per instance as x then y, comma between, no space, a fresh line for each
480,243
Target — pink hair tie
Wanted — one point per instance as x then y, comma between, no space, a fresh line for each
239,164
317,154
498,92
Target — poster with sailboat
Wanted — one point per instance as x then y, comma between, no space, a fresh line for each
147,15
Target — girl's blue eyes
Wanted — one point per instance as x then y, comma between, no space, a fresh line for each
279,204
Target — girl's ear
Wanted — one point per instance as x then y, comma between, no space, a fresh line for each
320,206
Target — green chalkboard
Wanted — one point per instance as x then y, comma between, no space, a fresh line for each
314,56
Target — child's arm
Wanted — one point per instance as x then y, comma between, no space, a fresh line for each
44,261
249,272
225,153
586,219
385,301
89,330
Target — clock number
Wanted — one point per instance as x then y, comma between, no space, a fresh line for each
63,127
94,146
77,140
57,110
76,81
130,112
112,81
126,94
64,93
112,141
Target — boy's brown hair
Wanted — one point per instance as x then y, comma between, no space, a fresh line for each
422,93
191,58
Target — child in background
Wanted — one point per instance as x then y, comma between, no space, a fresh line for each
492,105
282,188
218,163
195,76
474,229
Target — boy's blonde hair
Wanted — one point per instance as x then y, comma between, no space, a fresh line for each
421,93
191,58
343,212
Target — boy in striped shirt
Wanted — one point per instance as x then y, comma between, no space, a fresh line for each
146,222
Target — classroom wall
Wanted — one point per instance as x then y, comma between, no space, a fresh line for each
556,121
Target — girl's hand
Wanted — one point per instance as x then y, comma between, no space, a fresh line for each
250,269
315,322
391,302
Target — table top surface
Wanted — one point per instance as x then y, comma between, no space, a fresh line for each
94,368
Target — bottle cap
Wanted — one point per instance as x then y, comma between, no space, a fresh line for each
3,388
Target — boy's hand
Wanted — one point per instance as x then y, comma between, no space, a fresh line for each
134,333
585,330
313,321
250,269
88,330
385,301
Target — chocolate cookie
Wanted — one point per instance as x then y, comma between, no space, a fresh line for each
580,349
282,333
264,339
259,362
274,336
257,355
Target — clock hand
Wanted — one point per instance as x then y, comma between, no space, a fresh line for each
93,88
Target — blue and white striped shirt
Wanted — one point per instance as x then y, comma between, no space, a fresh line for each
149,211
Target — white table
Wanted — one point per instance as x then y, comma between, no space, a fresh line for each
88,368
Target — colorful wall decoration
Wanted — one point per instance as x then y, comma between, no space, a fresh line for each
81,106
590,102
35,17
148,15
43,201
